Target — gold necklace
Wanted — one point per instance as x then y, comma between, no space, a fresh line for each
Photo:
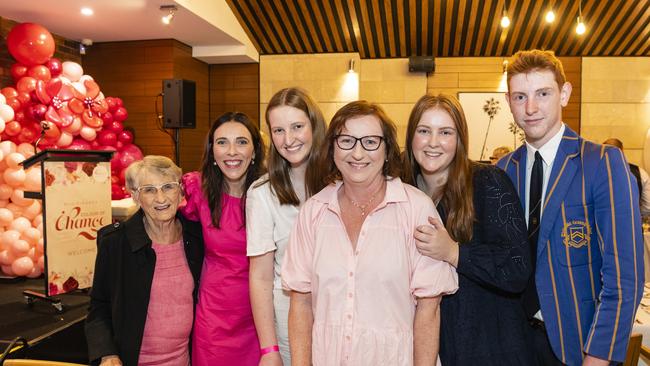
363,206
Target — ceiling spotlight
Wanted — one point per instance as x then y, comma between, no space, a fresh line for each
505,21
504,66
580,27
87,11
171,10
351,66
550,16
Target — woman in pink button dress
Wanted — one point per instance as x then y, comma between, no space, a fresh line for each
224,331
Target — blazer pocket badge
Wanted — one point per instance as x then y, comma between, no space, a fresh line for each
576,234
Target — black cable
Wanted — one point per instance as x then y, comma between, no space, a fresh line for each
160,125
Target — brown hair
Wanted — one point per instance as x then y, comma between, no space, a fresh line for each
457,196
392,166
279,167
524,62
212,179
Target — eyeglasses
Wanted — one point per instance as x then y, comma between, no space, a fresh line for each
168,189
369,143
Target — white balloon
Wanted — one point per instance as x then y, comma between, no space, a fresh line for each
3,100
72,70
6,113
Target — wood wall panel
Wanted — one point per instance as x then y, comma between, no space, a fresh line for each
235,87
134,72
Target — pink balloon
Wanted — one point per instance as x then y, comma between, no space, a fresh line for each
55,66
19,248
125,137
7,147
25,149
72,71
5,191
14,160
6,257
75,127
41,262
14,177
31,235
17,210
32,180
36,272
33,211
88,133
22,266
18,197
7,270
39,246
20,224
6,217
64,140
38,219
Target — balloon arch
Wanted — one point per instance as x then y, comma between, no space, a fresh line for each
68,105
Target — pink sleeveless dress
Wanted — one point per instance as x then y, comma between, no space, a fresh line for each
224,331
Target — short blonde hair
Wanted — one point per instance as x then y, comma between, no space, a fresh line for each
155,164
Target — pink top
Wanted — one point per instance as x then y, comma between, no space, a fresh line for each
224,330
171,309
363,301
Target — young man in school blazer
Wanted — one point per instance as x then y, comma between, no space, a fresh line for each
584,225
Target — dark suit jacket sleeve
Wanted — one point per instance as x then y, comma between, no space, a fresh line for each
620,239
498,255
99,328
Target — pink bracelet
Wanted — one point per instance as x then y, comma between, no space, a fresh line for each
269,349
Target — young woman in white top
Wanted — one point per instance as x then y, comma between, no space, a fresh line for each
297,130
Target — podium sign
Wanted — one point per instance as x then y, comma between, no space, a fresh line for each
76,194
78,205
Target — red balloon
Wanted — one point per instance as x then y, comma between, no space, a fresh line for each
112,103
129,154
107,118
94,144
125,137
27,135
30,44
123,176
9,92
26,84
38,112
14,103
13,128
18,70
55,66
115,126
107,138
79,144
24,98
116,192
40,72
19,116
119,102
120,114
115,180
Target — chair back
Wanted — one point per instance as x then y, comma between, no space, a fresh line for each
633,350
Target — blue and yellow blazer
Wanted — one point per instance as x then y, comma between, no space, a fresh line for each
589,271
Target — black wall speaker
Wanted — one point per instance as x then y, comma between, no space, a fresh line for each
179,103
421,64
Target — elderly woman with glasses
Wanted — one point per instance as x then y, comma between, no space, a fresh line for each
362,294
146,275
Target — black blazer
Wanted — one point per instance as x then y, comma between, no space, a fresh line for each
119,298
484,323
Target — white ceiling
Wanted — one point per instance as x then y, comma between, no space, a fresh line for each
209,26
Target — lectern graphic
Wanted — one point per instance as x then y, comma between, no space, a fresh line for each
76,200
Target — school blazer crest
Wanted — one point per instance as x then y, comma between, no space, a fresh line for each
589,272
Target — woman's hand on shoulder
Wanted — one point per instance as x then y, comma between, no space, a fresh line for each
434,241
112,360
271,359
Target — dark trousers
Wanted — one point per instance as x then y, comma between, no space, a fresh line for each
539,344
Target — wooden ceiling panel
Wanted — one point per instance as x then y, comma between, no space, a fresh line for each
444,28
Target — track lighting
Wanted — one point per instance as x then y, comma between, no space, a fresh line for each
171,10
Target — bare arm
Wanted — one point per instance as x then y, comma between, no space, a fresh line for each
301,320
261,291
426,331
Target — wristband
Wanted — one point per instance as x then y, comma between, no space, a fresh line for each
269,349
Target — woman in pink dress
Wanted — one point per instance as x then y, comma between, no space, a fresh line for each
224,330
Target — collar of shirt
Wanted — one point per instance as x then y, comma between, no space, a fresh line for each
547,151
394,193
